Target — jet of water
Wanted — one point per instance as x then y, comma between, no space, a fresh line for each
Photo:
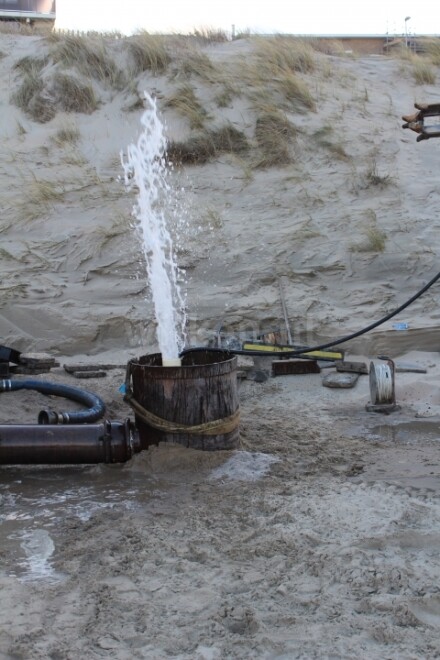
146,170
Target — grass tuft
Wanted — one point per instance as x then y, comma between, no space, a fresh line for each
278,63
225,96
90,57
375,241
148,53
31,85
322,137
328,47
296,92
31,65
375,179
288,54
199,64
72,95
186,103
33,100
67,135
210,35
205,146
432,48
273,133
39,197
423,72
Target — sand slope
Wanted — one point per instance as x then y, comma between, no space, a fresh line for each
73,280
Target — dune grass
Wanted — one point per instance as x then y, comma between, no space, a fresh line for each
41,97
421,65
31,65
210,35
89,56
73,95
324,137
375,240
67,135
12,27
30,95
186,103
432,48
273,134
332,47
374,178
31,84
33,99
286,54
423,72
39,196
278,66
226,95
148,53
296,92
196,63
206,145
119,226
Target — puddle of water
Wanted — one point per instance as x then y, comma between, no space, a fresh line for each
34,500
408,432
37,547
244,466
410,456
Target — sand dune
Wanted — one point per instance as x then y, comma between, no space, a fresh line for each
72,263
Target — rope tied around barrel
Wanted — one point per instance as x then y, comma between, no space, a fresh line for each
213,427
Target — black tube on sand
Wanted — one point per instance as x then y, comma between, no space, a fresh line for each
95,405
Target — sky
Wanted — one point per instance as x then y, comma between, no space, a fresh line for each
260,16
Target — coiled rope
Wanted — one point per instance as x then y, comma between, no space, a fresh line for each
381,384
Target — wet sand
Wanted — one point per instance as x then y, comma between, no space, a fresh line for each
318,537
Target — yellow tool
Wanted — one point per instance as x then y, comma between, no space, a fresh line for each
273,348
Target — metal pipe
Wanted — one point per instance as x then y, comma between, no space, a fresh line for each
286,318
34,444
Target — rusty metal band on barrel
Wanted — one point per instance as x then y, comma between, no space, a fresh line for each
214,427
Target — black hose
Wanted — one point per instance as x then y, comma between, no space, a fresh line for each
335,342
95,405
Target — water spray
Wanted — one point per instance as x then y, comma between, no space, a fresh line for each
145,170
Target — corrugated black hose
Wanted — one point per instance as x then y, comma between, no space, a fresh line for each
95,405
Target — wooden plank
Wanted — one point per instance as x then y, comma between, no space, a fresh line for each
294,367
89,374
351,367
72,368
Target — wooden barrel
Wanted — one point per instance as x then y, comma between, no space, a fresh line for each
195,405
